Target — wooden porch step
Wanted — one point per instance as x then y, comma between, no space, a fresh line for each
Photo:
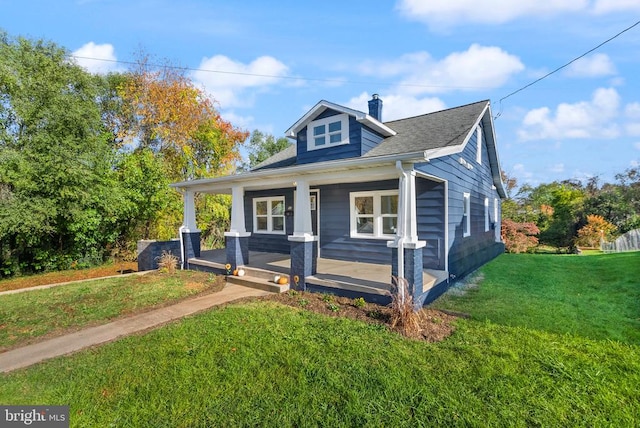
258,283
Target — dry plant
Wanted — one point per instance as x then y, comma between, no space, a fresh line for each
404,317
167,262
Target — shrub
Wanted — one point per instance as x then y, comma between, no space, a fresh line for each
597,228
167,262
359,302
404,317
519,237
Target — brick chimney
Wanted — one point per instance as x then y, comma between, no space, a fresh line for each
375,107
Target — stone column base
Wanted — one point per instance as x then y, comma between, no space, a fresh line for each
237,248
191,241
412,270
304,262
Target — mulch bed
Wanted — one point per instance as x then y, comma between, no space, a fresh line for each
117,268
434,325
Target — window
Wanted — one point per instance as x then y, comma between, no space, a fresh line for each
374,214
268,215
466,218
486,214
495,210
479,144
327,132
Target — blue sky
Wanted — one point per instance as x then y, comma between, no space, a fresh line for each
419,55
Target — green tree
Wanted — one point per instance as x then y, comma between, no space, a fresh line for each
58,202
262,146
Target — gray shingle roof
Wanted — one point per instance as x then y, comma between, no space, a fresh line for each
430,131
414,134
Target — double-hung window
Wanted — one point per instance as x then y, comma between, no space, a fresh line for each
374,215
268,215
486,214
327,132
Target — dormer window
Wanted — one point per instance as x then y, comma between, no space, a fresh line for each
328,132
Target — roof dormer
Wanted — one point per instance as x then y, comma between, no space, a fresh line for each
330,131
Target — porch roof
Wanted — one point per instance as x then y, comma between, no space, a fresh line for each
335,171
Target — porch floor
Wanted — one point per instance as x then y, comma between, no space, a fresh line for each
353,276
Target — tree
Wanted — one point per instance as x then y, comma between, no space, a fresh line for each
519,237
263,146
596,229
163,110
56,178
566,204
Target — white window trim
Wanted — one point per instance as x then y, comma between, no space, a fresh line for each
344,130
269,216
479,145
495,210
377,214
486,214
466,208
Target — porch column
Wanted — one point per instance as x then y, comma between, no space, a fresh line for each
190,233
237,238
304,254
406,253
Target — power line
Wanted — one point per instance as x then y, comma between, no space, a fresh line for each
563,66
273,76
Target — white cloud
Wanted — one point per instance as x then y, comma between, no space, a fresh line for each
228,81
559,167
450,12
592,66
608,6
96,58
585,119
477,68
397,106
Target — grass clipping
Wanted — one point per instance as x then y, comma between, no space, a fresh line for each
404,317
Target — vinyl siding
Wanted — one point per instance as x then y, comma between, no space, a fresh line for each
335,240
271,243
351,150
467,253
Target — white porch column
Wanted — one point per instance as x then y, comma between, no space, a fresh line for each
189,221
302,216
410,215
237,227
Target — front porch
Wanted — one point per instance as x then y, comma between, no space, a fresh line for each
354,279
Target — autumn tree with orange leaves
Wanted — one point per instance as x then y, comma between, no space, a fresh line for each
161,109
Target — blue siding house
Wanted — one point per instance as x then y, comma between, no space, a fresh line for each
421,195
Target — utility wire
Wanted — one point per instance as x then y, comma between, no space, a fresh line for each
273,76
563,66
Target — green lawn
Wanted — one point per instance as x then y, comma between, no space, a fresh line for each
29,315
594,296
263,364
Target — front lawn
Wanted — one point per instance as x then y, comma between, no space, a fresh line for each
263,364
594,296
32,314
260,363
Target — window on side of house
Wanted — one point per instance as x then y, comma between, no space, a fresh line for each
374,215
268,215
327,132
466,214
479,145
495,210
486,214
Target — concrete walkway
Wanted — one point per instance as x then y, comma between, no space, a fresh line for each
32,354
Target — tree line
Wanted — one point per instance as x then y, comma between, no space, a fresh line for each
86,160
569,214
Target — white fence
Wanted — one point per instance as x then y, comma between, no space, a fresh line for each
630,241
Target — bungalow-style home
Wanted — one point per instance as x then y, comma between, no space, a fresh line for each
417,198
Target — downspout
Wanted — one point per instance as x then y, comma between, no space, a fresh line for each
403,229
181,247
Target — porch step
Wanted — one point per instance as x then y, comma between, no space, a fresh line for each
258,283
